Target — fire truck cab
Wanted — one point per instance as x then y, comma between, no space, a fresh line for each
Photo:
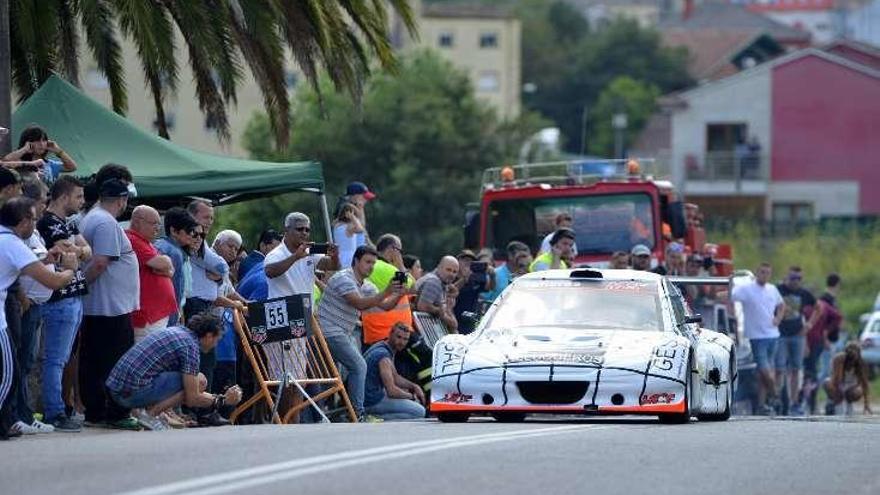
614,205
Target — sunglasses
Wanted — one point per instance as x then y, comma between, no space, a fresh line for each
303,229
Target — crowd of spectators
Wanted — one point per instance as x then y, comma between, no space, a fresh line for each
131,310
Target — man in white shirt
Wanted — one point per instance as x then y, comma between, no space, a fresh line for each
290,267
18,219
763,309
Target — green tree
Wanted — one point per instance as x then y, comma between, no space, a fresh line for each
223,38
625,95
420,140
574,74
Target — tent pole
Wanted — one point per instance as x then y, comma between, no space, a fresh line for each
326,212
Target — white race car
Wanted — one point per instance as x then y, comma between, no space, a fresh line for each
586,341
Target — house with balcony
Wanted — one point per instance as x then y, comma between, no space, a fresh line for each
795,138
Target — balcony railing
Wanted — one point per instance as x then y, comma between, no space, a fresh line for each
727,166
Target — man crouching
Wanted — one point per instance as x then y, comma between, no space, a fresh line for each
162,371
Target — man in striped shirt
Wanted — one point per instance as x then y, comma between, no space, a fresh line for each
348,293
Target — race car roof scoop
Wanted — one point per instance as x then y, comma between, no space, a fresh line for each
586,274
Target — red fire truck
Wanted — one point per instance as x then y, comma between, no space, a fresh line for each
614,205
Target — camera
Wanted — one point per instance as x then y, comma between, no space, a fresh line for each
399,278
319,248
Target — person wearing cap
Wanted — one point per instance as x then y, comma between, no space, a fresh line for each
290,267
562,221
181,238
561,244
357,193
473,278
114,294
640,257
269,240
505,273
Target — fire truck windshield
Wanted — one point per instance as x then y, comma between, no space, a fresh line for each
603,223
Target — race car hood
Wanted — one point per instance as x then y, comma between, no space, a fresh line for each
562,346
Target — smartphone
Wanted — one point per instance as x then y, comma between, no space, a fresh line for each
399,277
319,248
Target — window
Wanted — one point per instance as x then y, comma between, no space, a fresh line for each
488,81
602,223
488,40
446,40
791,213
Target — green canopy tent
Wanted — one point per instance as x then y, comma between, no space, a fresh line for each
165,173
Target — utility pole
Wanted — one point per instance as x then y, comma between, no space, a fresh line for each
5,79
619,123
584,115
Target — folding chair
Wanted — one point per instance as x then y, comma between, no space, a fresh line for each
296,362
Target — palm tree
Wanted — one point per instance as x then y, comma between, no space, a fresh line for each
223,39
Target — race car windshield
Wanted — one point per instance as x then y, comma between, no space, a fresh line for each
593,305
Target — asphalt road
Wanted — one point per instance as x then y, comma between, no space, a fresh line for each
541,456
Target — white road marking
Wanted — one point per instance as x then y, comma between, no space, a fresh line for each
273,473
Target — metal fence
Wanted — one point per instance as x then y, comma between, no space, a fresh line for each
728,166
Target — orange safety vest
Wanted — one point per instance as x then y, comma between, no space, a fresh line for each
377,323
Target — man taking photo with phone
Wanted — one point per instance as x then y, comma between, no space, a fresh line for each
348,293
474,277
291,266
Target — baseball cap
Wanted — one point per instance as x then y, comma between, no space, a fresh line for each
114,188
640,250
359,188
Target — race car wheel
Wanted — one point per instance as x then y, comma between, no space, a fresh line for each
725,414
453,417
682,417
509,417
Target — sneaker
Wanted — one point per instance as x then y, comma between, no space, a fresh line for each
64,424
78,417
796,410
23,428
369,418
128,423
765,410
149,421
42,427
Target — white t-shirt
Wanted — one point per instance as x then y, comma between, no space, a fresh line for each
14,257
298,279
759,309
545,245
348,244
36,291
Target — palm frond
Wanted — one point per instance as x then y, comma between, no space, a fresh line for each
256,32
68,41
97,20
189,17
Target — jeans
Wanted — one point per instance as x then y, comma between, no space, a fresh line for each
207,360
346,351
10,378
27,354
61,321
392,409
103,340
764,352
790,353
163,386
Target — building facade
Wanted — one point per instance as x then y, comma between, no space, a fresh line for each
764,144
483,41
